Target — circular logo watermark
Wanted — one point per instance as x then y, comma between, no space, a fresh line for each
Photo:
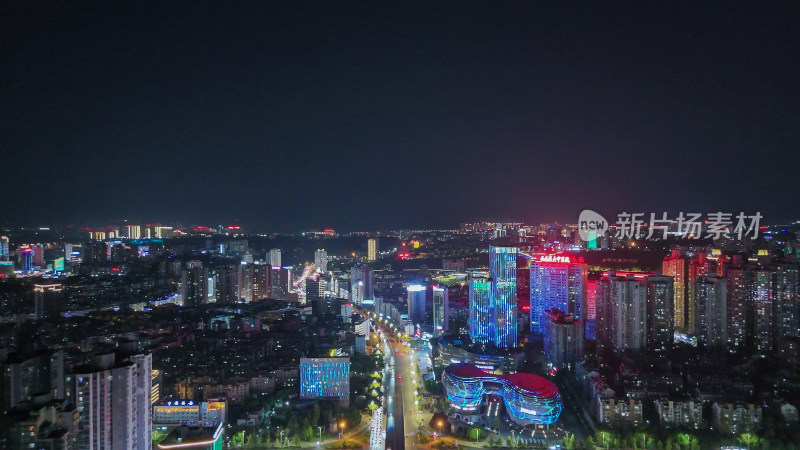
591,225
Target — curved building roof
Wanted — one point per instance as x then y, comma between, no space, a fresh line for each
529,382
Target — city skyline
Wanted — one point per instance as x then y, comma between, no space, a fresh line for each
399,225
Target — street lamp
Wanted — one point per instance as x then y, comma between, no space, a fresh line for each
320,432
341,429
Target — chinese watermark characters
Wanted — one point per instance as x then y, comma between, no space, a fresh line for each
715,225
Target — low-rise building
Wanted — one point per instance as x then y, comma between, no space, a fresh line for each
189,411
616,412
680,413
736,418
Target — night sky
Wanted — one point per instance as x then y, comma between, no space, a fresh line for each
295,115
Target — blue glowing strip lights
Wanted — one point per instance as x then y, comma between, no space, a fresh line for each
479,326
321,378
503,274
465,393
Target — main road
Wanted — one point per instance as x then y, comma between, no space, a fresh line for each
405,412
401,380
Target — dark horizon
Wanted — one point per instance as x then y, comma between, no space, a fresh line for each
356,116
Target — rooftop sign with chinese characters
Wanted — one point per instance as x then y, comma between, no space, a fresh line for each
558,259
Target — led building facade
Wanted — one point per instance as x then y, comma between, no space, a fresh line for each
133,231
372,249
557,281
676,267
529,399
4,254
503,296
325,378
479,309
684,272
26,259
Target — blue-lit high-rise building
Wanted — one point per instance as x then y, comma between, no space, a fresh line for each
4,255
325,378
479,309
503,296
26,259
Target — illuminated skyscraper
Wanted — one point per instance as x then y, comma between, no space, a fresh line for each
675,266
4,254
697,267
557,281
133,231
591,308
321,260
38,255
274,257
416,303
479,304
660,323
503,296
162,232
325,378
441,309
372,249
26,259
